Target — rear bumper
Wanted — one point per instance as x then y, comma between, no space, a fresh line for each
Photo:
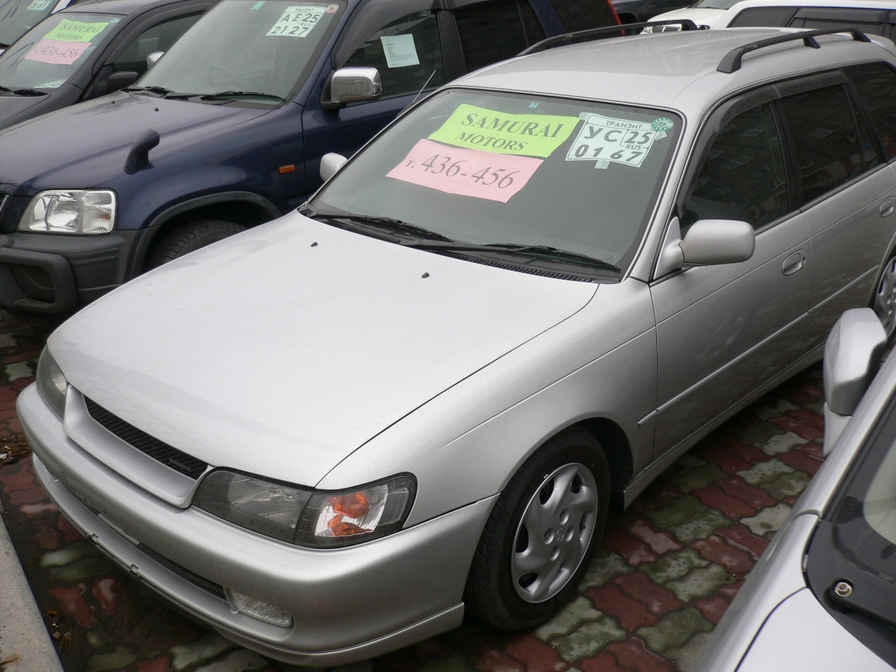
348,604
51,274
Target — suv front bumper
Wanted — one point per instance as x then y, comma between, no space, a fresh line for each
54,273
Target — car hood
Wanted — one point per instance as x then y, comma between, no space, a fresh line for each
13,107
87,144
283,349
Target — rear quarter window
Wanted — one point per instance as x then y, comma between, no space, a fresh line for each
758,17
876,85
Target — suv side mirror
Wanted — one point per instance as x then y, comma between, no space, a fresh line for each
352,85
153,58
717,241
330,164
852,356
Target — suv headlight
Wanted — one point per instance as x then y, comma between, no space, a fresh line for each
317,519
71,211
51,383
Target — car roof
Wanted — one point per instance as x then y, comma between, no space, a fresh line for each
673,70
121,7
848,4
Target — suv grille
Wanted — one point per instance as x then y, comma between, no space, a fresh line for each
146,444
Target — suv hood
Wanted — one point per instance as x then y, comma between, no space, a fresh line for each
283,349
86,144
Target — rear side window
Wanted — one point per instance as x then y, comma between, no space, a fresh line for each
876,84
832,143
742,176
407,54
584,14
866,20
757,17
496,30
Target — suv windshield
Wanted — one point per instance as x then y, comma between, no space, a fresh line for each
259,47
54,50
18,16
499,169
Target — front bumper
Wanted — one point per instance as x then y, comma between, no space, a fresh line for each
54,273
348,604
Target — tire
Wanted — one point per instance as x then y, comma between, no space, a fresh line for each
884,301
188,238
541,535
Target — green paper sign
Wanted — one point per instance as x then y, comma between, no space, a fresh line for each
76,31
490,131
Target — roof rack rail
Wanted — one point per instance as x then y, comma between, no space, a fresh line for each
731,62
623,28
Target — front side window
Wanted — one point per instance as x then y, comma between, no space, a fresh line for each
263,47
49,54
742,176
406,53
831,141
496,30
481,170
157,38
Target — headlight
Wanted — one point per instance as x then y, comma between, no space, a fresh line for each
305,517
51,383
58,211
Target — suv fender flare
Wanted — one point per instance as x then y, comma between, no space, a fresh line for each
138,254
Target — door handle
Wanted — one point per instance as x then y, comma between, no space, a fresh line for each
793,262
887,207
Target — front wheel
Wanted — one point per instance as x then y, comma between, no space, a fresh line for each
542,533
189,237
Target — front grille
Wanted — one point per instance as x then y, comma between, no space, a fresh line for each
184,573
146,444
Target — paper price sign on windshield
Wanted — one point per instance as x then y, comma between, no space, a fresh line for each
297,21
76,31
607,140
57,53
465,172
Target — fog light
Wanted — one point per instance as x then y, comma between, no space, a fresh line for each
263,611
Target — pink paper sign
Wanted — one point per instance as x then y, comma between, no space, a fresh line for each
57,53
465,172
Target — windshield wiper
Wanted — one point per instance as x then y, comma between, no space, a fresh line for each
378,223
239,94
515,248
22,92
158,90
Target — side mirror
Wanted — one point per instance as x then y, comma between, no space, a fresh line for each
330,163
351,85
717,241
119,80
153,58
852,356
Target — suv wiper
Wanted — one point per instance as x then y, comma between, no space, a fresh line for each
515,248
22,92
379,223
239,94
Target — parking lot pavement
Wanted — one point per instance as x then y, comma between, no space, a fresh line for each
667,571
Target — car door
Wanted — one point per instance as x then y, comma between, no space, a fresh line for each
848,193
144,34
724,330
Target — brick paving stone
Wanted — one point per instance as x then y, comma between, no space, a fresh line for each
674,566
632,654
701,525
767,521
738,487
604,568
677,512
602,662
807,431
495,661
686,656
568,619
243,661
633,550
772,408
536,655
782,443
589,639
631,613
764,472
740,537
698,477
656,598
119,658
713,608
715,548
759,434
659,542
732,507
802,461
203,650
787,485
674,629
700,583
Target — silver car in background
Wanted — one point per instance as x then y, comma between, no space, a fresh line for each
823,595
532,293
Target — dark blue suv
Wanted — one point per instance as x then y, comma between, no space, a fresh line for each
227,130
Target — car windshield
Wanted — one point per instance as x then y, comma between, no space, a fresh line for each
17,17
500,169
259,47
53,51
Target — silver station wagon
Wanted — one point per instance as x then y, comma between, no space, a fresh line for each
335,434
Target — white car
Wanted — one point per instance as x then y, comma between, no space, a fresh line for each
870,16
